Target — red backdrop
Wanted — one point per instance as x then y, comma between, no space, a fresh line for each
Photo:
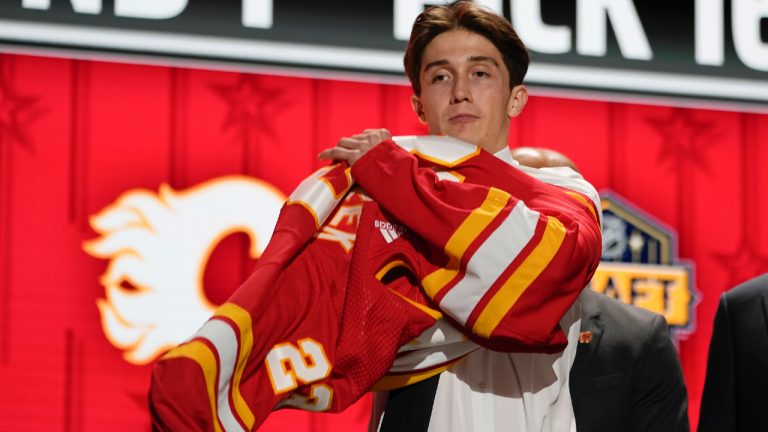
75,135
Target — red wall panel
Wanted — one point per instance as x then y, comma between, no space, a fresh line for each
75,135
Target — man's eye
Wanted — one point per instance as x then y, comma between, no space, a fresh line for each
482,74
441,77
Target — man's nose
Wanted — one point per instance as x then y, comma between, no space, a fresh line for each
461,91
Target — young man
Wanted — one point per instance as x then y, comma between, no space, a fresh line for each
448,247
464,87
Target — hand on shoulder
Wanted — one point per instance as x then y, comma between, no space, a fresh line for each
537,157
352,148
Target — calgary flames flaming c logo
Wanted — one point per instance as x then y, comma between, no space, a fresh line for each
158,246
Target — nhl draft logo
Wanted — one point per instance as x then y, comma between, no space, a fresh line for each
639,265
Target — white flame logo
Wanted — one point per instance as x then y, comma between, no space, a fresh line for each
159,244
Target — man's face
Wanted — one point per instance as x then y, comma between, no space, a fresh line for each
465,90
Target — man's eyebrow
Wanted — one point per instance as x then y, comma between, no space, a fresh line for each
484,59
436,63
473,59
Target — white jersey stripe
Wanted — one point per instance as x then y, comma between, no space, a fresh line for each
444,150
386,235
316,196
489,262
224,340
566,178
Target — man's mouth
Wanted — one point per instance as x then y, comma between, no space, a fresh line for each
463,118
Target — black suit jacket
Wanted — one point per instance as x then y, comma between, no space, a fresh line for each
736,387
627,378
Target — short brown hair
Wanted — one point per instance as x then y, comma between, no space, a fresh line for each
465,15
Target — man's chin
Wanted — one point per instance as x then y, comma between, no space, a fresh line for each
464,133
468,138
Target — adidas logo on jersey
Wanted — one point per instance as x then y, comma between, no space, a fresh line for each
389,231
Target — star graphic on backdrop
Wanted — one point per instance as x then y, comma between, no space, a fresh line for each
15,112
251,104
743,264
684,138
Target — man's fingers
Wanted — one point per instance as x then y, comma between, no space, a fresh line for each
375,136
350,143
338,153
381,132
385,135
363,137
350,149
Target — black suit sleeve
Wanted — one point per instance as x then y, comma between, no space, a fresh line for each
660,399
410,408
718,407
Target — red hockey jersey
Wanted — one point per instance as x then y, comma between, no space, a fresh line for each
449,231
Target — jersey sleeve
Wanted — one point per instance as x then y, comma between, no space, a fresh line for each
515,252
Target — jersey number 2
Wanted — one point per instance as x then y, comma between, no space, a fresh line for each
305,362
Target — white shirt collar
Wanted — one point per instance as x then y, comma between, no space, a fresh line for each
506,155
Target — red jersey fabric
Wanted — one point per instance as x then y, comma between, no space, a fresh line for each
449,232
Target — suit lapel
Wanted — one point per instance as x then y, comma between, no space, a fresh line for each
591,321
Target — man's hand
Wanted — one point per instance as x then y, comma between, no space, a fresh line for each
350,149
538,157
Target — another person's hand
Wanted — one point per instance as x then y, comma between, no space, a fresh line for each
538,157
350,149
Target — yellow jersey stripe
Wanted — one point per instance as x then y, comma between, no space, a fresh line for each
426,309
450,176
447,152
521,279
309,209
317,195
390,382
203,356
587,203
396,263
468,231
338,194
243,320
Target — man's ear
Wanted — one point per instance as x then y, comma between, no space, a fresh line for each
517,99
418,109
